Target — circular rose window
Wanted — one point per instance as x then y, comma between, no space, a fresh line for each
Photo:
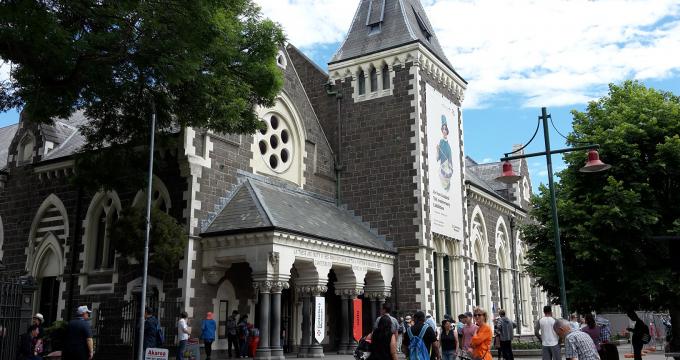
275,143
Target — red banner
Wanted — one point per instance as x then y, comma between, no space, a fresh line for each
357,323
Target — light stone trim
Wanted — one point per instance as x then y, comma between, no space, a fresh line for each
415,52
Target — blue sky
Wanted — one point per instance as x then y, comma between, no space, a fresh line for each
517,56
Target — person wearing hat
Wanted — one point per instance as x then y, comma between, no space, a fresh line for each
208,327
444,157
38,321
78,345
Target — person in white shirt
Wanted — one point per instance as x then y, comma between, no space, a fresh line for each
546,334
574,322
183,331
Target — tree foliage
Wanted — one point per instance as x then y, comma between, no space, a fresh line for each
167,240
203,63
608,220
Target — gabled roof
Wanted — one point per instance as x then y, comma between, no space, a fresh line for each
259,206
384,24
6,136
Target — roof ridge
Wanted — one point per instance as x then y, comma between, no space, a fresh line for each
258,201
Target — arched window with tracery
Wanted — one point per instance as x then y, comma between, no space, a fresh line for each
361,82
106,215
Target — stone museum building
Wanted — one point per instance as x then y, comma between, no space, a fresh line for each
358,188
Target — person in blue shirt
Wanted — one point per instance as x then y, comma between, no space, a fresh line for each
79,345
151,330
208,327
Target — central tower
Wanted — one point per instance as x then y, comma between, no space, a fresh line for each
397,135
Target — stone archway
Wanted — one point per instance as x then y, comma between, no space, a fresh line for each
48,270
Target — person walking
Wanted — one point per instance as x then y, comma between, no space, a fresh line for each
208,328
183,332
448,340
577,344
480,344
79,345
593,330
232,334
469,330
546,334
400,334
506,333
152,330
243,336
386,309
427,335
38,320
383,341
573,322
639,331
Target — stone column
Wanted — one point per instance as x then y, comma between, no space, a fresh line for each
264,287
315,349
306,323
276,350
374,309
344,317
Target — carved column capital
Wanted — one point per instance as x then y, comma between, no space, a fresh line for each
348,293
262,286
314,290
278,286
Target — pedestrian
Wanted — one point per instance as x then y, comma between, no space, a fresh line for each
577,344
593,330
480,344
39,320
459,330
183,332
639,331
400,334
232,334
385,310
30,345
79,345
469,331
208,327
546,335
424,332
383,341
448,340
243,336
574,322
429,320
152,330
506,334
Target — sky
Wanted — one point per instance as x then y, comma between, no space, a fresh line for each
517,56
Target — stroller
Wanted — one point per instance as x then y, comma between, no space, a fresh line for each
363,350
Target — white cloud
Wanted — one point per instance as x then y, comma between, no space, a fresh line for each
549,52
4,70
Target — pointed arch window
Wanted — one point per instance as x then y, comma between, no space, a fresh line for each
103,213
373,74
385,77
475,270
361,82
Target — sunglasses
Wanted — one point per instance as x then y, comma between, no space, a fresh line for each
478,315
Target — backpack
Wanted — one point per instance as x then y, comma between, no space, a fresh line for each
231,326
160,339
416,347
243,330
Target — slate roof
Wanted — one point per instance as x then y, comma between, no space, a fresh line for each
6,136
256,205
400,22
485,174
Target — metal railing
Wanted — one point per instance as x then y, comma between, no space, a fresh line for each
10,318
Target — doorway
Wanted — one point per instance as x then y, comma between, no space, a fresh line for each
49,299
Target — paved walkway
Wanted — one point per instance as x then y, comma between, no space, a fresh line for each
623,349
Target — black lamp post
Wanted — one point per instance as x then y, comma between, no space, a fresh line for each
509,177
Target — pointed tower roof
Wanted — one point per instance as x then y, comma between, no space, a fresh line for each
385,24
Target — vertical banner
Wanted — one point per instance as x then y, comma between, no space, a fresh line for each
357,319
320,318
444,165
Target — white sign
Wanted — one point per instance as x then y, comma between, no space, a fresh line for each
156,354
444,165
320,318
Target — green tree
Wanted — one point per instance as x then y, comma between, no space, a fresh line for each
168,238
203,63
609,220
